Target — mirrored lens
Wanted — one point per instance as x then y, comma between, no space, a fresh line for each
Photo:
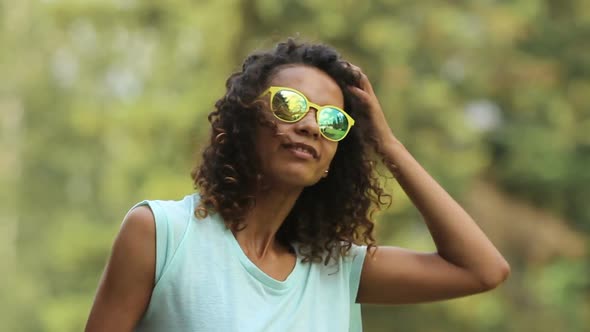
333,123
288,105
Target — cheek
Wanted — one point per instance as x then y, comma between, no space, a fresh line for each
330,151
282,128
267,130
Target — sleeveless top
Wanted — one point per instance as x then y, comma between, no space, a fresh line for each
205,282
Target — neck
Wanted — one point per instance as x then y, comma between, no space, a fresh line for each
258,239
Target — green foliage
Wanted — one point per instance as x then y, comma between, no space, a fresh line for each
104,103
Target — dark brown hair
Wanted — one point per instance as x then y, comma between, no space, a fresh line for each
329,216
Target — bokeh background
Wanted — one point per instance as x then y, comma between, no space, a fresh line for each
103,103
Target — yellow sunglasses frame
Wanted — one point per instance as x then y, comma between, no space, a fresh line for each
274,89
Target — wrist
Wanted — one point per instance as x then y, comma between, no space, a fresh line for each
391,150
389,146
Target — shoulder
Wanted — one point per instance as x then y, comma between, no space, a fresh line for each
125,287
339,257
171,210
170,217
136,239
140,219
174,222
151,224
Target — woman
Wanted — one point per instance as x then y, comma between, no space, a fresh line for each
277,238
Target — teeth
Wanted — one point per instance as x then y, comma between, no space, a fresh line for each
302,149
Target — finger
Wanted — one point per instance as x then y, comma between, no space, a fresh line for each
364,82
355,69
357,90
366,85
360,93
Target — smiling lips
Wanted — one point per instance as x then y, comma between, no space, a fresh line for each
302,149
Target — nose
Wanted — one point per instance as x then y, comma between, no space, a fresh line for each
308,126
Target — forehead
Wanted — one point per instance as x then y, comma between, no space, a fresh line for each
315,84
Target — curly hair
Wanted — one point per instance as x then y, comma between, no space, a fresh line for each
327,217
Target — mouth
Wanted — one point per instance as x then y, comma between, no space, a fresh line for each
301,148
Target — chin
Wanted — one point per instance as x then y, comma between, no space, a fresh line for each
301,181
297,179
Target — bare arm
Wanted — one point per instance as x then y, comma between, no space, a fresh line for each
466,262
127,282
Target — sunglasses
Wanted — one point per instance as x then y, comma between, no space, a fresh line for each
290,105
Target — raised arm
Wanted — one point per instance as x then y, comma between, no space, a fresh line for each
466,262
127,282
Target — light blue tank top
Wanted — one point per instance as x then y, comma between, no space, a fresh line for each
205,282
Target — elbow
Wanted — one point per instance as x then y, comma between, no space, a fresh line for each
496,276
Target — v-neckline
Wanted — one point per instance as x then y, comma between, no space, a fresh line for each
256,272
